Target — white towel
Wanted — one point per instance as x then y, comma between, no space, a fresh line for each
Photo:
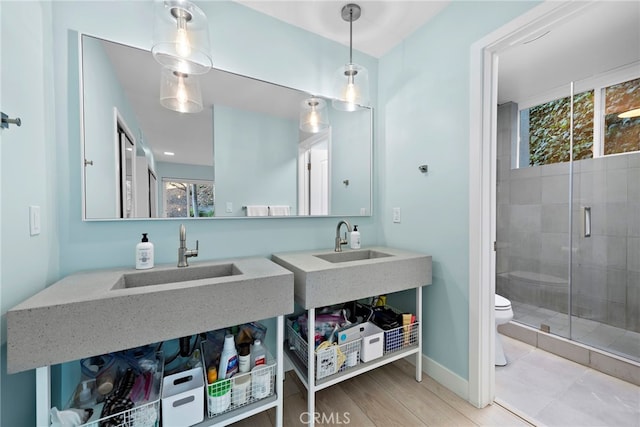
257,210
279,210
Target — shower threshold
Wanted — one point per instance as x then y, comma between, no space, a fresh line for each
612,364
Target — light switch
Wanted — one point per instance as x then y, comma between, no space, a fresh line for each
396,215
34,220
229,207
363,211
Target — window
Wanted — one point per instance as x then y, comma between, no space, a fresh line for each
621,135
188,198
545,128
548,130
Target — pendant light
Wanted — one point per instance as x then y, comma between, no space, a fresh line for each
180,92
351,82
313,115
181,37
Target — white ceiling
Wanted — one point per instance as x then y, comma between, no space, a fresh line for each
382,25
601,37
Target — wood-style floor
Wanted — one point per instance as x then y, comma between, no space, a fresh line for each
387,396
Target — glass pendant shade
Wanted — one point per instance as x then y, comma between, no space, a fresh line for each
313,115
180,92
181,37
351,85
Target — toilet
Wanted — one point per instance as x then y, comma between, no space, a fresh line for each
504,314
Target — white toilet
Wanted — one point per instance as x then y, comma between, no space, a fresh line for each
504,314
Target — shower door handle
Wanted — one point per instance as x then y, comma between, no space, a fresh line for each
587,221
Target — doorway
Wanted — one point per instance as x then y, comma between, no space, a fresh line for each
313,175
485,168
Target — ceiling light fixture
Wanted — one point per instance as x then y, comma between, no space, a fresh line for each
351,82
181,37
180,92
313,115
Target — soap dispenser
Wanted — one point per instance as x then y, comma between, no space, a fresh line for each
355,238
144,253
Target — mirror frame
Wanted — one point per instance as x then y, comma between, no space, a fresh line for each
84,161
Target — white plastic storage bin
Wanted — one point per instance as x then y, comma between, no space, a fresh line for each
372,342
183,398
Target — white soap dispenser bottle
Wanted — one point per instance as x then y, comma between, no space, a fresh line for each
355,238
144,254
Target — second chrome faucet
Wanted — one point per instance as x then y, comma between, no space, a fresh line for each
183,253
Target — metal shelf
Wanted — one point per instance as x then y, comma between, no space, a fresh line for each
306,371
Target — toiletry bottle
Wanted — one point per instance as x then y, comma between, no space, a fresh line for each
258,354
244,358
144,253
355,238
228,359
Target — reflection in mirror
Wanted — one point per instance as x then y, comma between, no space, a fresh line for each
243,154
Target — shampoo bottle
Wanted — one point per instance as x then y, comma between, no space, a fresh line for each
228,359
144,254
355,238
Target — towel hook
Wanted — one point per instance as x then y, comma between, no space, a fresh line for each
6,121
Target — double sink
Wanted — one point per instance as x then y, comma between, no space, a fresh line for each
98,312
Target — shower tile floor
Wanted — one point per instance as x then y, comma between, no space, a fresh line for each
553,391
599,335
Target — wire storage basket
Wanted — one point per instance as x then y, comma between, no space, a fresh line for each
400,337
242,389
145,392
330,358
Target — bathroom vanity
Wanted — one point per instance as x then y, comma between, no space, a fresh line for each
323,278
98,312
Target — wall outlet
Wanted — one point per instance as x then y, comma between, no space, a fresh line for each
229,207
34,220
396,215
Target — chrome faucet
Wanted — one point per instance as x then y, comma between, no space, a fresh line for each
340,241
183,253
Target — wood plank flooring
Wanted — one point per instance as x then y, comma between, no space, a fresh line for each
385,397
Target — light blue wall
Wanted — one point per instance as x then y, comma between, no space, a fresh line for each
28,166
423,116
256,157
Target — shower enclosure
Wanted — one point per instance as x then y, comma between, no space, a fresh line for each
568,214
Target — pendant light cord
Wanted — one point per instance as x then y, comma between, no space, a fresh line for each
351,36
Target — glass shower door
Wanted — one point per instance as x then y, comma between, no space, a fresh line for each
605,270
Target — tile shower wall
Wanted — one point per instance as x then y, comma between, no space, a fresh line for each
533,233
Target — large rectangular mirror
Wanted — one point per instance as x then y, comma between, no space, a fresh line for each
243,155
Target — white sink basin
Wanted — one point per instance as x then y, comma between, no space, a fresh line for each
99,312
326,277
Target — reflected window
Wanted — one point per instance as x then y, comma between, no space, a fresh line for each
621,134
188,198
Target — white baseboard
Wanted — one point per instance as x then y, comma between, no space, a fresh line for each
443,376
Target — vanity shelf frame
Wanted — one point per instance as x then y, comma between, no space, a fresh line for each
43,394
307,376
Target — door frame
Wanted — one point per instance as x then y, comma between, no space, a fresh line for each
482,185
